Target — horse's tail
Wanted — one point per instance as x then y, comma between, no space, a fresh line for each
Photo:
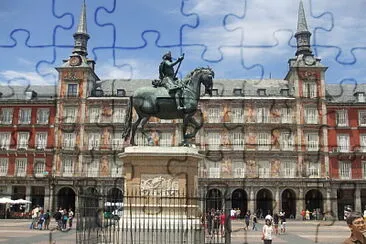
128,120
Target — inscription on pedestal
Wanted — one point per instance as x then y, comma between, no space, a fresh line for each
159,185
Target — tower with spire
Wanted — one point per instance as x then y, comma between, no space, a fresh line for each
81,35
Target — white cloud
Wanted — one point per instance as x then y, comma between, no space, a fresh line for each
25,78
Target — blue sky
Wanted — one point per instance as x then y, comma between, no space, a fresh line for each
240,39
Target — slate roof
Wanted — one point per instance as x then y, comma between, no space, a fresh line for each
335,93
343,93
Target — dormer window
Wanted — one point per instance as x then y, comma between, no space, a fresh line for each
285,92
30,94
262,92
237,92
215,92
98,92
360,97
121,92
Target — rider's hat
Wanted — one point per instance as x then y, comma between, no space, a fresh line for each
167,55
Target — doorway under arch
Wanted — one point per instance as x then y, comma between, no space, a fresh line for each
66,198
264,202
213,199
314,200
288,200
240,201
114,195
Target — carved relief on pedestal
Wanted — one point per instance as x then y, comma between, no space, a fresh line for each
159,185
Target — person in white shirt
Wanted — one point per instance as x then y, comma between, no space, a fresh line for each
267,232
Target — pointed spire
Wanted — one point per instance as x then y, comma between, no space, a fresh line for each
301,22
81,35
302,34
82,21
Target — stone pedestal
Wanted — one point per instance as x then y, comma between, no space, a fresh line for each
161,192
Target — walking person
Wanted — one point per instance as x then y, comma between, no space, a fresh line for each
209,221
246,219
267,232
254,222
275,223
283,222
47,220
71,217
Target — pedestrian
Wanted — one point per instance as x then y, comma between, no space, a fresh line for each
222,222
71,217
307,214
254,222
58,218
209,221
267,232
283,222
356,223
268,216
41,220
246,220
47,217
65,217
275,223
303,214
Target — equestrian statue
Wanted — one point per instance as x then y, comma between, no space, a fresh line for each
170,98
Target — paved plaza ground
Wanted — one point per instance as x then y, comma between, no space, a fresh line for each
298,232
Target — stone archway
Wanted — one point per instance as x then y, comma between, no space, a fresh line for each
213,199
240,201
114,195
66,198
314,200
264,201
345,197
288,203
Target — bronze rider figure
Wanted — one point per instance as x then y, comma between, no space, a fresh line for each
168,77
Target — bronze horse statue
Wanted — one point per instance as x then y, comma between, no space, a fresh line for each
157,102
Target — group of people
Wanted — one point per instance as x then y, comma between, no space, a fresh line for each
215,222
271,226
41,219
308,215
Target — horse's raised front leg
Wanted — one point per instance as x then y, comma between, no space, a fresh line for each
197,126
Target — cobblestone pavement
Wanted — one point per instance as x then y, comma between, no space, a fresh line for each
299,232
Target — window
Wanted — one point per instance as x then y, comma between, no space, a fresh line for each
72,90
42,115
68,169
363,142
262,115
116,168
20,167
313,170
213,169
7,116
121,92
119,115
288,169
214,140
41,140
238,169
117,141
214,115
92,168
309,89
364,169
286,141
69,141
94,116
312,141
237,140
23,138
345,170
362,118
165,139
261,92
94,139
237,115
263,141
3,166
342,118
39,167
311,115
24,116
361,97
69,115
263,169
343,143
286,116
5,140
